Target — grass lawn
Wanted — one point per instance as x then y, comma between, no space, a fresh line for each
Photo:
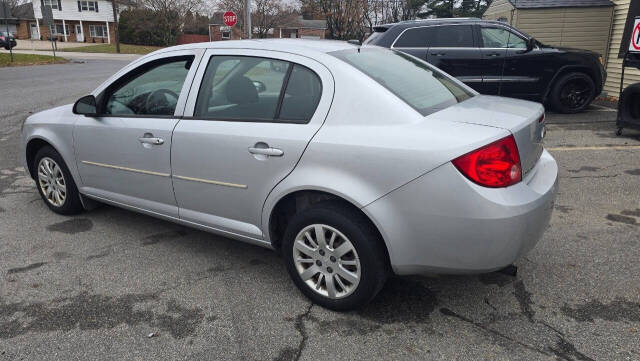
111,48
28,59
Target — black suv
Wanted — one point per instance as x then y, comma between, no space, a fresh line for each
495,58
7,40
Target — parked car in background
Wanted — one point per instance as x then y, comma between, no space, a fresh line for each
7,40
355,162
497,59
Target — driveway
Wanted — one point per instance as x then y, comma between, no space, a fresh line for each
111,284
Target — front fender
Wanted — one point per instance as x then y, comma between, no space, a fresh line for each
58,135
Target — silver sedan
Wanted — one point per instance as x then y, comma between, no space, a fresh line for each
353,162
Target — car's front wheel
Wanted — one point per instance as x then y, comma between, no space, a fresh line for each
334,256
54,182
572,93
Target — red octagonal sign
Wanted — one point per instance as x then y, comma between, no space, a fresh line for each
229,18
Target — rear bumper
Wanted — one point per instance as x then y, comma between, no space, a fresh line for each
444,223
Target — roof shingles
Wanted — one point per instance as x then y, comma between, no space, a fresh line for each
533,4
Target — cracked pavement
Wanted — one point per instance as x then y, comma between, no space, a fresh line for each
96,285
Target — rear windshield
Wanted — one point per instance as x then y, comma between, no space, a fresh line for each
419,84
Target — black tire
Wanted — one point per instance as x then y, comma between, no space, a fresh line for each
572,93
629,104
374,269
71,204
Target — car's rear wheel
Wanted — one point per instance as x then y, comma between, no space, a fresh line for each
54,182
572,93
334,256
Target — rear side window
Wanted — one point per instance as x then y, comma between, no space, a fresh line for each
414,38
301,96
422,86
451,36
245,88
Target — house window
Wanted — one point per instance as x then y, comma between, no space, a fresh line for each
52,3
226,35
98,31
88,6
57,29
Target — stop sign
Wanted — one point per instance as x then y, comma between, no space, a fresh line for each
229,18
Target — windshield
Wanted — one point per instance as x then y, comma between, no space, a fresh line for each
419,84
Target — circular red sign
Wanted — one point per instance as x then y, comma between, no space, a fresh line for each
230,18
635,37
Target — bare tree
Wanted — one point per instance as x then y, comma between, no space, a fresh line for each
267,14
171,13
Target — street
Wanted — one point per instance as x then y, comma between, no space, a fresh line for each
111,284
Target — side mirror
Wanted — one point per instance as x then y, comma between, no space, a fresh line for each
260,87
531,44
86,106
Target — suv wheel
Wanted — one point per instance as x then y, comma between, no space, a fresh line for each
334,256
55,184
572,93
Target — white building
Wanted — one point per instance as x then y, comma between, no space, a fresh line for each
74,20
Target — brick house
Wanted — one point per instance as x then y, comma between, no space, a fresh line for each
74,20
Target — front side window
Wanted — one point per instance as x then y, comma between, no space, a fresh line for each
247,88
152,89
422,86
501,38
451,36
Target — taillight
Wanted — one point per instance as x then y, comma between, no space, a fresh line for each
495,165
541,119
1,37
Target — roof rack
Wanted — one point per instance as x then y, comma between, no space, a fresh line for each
436,19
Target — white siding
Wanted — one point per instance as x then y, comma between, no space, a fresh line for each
70,11
614,64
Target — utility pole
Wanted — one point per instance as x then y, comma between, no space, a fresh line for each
115,25
247,18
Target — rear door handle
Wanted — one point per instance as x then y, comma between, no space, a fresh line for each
271,152
438,54
151,140
493,54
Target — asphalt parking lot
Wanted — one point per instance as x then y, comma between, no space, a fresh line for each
98,285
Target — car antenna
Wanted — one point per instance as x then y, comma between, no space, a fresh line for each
355,42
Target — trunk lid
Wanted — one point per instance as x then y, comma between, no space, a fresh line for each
520,117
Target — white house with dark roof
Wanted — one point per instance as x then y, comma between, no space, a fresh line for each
74,20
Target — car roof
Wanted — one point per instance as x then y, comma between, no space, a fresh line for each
296,46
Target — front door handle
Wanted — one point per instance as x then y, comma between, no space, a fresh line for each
438,54
151,140
493,54
270,152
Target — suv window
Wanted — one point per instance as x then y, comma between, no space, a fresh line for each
152,89
422,86
501,38
451,36
414,38
248,88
